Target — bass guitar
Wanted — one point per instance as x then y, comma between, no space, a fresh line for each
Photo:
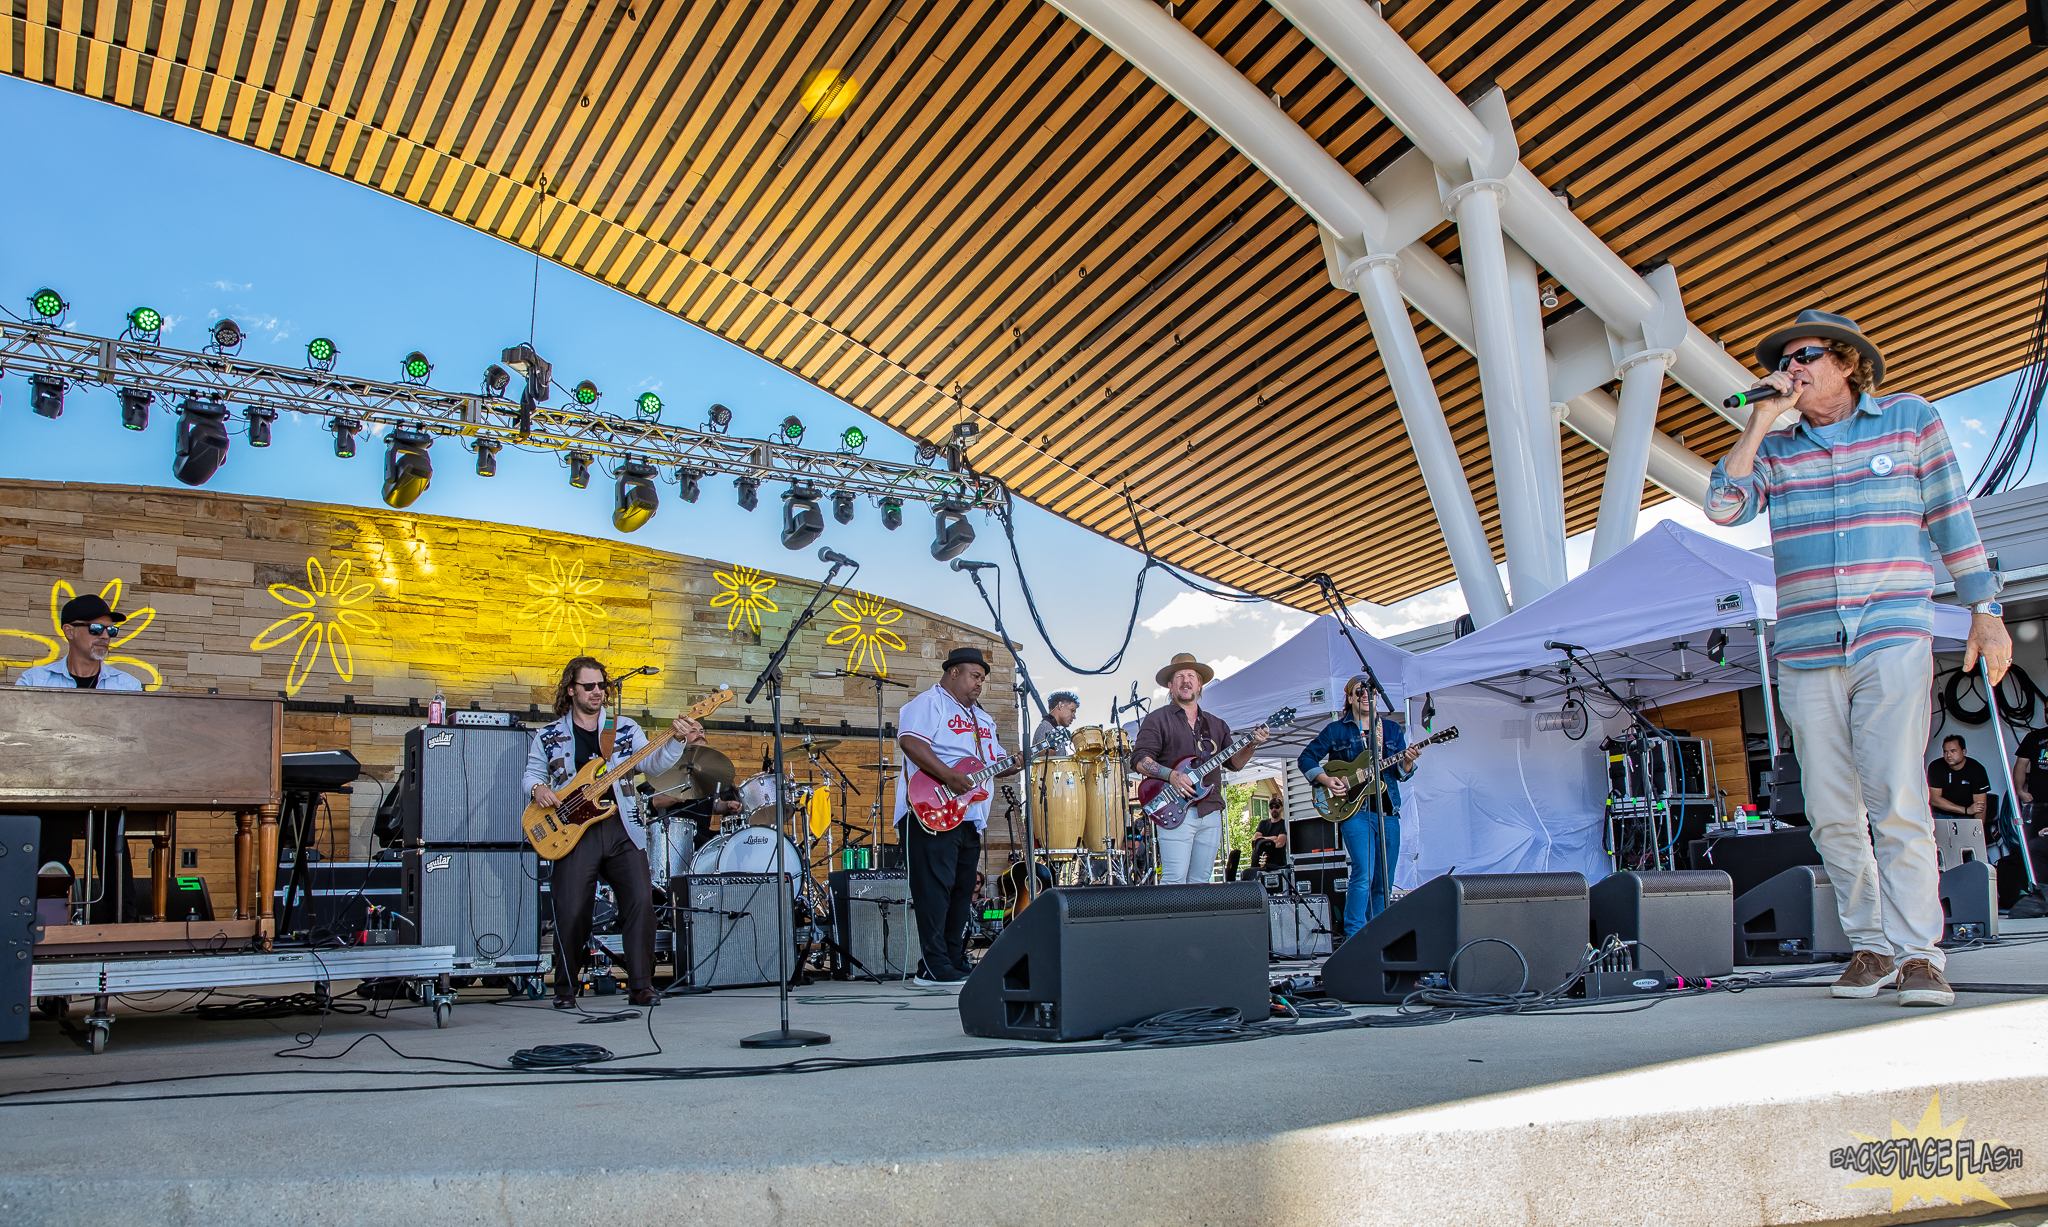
1161,801
587,797
939,809
1359,775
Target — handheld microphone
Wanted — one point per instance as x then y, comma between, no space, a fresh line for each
827,554
827,673
962,564
1552,645
1762,391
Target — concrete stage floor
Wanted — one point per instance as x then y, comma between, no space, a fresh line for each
1716,1110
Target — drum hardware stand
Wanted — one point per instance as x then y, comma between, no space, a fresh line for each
771,677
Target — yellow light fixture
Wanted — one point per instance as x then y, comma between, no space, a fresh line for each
827,93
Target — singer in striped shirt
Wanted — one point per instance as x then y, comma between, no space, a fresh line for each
1852,488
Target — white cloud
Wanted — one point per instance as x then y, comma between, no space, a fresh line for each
1976,424
1228,665
1440,604
230,287
1283,631
1190,609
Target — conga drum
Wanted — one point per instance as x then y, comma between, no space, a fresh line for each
1088,740
1103,828
1060,802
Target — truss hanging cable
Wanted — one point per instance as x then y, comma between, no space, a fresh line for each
2012,453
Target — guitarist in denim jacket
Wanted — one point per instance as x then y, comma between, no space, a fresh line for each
1372,836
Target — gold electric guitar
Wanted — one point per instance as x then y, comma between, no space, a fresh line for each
1360,777
587,798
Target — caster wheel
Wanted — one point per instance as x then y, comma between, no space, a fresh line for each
441,1013
99,1040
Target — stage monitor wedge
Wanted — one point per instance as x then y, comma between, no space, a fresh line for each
1682,921
1544,916
1082,961
1790,919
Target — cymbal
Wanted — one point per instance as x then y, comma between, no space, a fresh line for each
703,768
819,747
885,768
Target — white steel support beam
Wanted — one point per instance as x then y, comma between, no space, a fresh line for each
1628,457
1525,285
1594,417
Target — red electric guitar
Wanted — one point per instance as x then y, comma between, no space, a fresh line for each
939,809
1162,802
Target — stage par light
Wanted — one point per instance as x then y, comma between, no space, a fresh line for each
635,500
135,404
649,406
227,336
320,352
145,322
687,487
487,457
852,440
750,492
47,303
579,469
344,436
842,506
802,522
952,534
792,430
202,440
46,395
408,470
417,368
587,393
892,513
259,418
720,419
496,380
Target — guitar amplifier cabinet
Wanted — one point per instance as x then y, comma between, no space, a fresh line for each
728,928
461,786
1300,926
485,902
876,927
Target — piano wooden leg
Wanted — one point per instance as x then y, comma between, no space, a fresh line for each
160,868
266,871
245,865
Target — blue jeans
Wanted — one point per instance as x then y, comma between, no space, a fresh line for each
1371,873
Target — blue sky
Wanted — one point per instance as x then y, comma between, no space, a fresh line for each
151,213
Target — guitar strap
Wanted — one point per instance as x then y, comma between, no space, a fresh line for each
607,735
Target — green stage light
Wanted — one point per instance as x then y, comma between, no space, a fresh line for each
793,429
344,436
320,351
852,439
649,405
892,513
135,404
47,303
587,393
145,321
417,368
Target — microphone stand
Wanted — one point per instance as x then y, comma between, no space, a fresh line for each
1650,732
1026,692
1373,744
771,677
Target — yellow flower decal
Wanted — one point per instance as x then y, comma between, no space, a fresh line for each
53,649
564,602
867,630
324,618
746,590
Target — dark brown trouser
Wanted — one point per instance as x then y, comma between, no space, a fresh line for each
607,852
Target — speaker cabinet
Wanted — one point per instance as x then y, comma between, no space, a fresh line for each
728,928
485,902
1082,961
461,786
1790,919
1682,921
1544,916
877,929
1969,896
1752,860
1301,926
21,839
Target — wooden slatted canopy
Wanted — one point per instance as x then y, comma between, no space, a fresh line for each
1008,223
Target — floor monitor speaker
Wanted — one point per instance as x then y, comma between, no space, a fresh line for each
1790,919
1482,920
21,842
1083,961
1969,896
1682,922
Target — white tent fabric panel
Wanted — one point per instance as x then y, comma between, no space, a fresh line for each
1306,673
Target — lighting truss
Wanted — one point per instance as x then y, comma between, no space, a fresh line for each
173,374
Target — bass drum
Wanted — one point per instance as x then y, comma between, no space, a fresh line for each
1103,789
750,850
1059,802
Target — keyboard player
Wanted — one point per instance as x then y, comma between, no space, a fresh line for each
90,627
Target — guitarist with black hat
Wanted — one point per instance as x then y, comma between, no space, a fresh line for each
1372,835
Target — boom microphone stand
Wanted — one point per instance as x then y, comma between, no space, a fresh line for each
771,677
1373,744
1026,693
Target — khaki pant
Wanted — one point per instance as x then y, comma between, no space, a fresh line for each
1861,732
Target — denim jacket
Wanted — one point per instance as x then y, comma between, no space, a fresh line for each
1342,738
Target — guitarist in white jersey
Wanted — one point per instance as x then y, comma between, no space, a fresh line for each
939,728
1183,730
1372,836
615,848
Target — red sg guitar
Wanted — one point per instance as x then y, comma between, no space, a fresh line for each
939,809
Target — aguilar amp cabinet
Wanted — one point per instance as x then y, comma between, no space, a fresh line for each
1681,921
727,923
877,929
485,902
1475,918
1082,961
1790,919
461,786
21,838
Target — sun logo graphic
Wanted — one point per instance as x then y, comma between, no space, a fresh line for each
745,597
324,619
1931,1161
866,632
51,650
564,605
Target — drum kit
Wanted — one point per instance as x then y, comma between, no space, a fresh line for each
1080,820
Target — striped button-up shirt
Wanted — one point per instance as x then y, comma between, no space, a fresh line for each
1850,524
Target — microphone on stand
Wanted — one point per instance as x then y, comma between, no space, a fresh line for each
620,680
827,554
828,673
1762,391
1553,645
962,564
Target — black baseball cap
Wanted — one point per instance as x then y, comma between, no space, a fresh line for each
91,607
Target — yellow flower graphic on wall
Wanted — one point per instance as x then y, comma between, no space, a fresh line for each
746,591
564,602
867,632
324,619
51,650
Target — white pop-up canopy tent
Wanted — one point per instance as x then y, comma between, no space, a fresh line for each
1306,673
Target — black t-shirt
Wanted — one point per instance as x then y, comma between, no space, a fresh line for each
586,745
1958,785
85,683
1268,853
2033,751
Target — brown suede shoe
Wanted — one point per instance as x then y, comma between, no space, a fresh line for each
1868,971
1921,984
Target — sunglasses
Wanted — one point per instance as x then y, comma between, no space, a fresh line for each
591,686
1805,356
98,628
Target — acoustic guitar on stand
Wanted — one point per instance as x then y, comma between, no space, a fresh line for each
1359,775
1162,802
587,797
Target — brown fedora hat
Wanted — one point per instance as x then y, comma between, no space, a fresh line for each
1185,660
1824,324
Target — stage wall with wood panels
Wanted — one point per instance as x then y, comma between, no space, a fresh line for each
357,616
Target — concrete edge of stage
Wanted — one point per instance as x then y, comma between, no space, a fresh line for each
1721,1141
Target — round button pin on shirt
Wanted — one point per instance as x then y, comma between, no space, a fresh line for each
1881,464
